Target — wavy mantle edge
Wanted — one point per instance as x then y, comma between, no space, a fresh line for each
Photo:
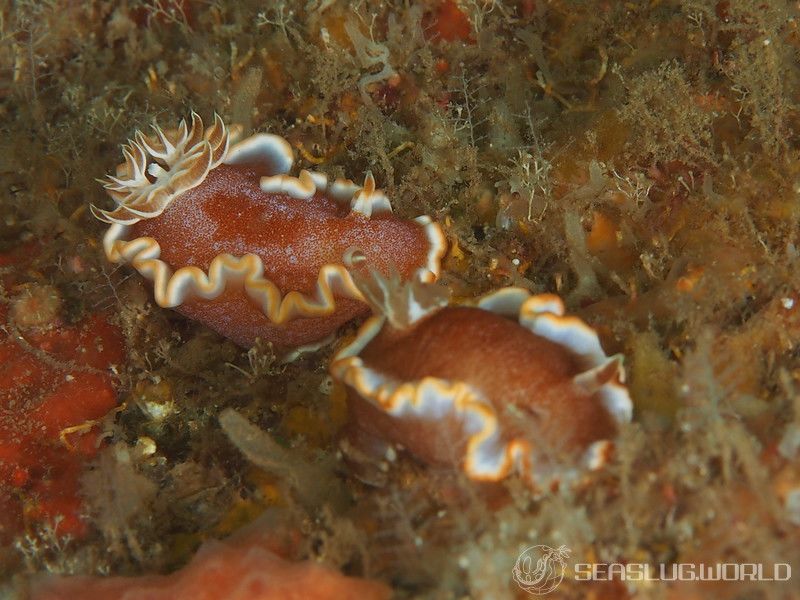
488,457
172,288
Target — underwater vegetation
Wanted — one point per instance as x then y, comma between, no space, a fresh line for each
627,173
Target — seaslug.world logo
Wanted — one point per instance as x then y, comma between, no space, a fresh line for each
539,569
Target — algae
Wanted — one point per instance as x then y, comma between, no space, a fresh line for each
640,159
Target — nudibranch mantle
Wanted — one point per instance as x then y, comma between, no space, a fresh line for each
202,218
419,382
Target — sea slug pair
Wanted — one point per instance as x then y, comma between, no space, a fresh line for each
228,237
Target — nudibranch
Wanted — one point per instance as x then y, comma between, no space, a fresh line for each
509,383
229,238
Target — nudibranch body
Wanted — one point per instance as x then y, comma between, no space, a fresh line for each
508,384
229,238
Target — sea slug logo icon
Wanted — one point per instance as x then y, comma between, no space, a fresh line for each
540,569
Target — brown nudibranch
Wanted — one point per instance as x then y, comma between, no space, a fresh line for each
229,238
509,384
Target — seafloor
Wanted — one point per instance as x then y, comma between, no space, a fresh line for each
640,159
